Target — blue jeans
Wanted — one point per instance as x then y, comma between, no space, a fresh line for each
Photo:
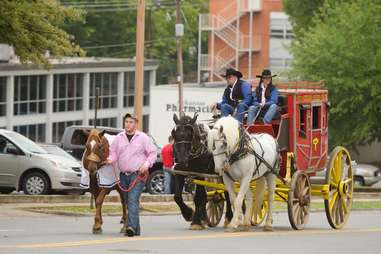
270,113
226,110
167,180
132,199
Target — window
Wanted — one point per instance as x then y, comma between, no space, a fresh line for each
35,132
59,128
302,121
107,83
146,88
316,117
30,95
5,144
280,64
129,89
280,28
3,96
145,123
67,92
106,122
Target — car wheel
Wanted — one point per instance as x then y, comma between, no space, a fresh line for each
359,181
5,190
155,183
36,183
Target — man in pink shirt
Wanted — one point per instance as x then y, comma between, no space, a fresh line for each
133,153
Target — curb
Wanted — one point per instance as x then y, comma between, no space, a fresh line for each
17,198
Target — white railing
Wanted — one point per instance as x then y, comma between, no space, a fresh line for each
207,21
251,5
205,61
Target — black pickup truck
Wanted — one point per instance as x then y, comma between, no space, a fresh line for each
74,139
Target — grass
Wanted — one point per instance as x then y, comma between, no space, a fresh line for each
153,208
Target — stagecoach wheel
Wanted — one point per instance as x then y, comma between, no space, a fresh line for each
257,220
215,209
339,177
299,200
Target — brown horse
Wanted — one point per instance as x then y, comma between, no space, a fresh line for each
94,157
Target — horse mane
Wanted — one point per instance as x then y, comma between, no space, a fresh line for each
230,128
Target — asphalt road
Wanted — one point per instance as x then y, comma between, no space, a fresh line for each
170,234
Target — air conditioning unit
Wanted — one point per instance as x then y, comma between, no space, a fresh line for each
6,53
255,5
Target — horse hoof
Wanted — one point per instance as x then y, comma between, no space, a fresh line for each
97,231
196,227
268,228
231,229
244,227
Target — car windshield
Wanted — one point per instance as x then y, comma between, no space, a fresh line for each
25,143
57,151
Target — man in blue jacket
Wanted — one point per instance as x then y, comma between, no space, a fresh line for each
265,98
237,95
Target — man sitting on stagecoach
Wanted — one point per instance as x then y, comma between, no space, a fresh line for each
237,96
265,99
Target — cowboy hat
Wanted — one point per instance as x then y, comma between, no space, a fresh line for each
231,71
266,73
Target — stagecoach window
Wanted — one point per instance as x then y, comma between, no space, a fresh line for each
316,117
302,121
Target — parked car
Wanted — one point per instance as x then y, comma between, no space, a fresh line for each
363,174
74,139
28,167
55,149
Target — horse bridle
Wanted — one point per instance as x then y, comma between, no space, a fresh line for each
186,141
93,156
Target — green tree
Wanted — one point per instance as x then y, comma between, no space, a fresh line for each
346,53
301,12
110,31
32,28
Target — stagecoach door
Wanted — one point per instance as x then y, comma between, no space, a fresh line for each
319,135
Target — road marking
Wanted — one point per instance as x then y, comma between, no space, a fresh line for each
188,237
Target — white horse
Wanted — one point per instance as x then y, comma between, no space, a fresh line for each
223,141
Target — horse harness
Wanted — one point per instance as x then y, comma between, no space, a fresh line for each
245,148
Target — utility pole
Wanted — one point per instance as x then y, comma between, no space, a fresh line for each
139,65
179,35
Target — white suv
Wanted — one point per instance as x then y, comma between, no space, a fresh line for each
26,166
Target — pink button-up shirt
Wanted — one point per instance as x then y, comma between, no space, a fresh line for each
129,156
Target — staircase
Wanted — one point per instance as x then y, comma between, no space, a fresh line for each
224,26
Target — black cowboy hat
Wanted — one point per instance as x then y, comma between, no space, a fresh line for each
266,73
231,71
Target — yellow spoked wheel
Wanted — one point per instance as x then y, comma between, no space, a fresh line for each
299,200
257,219
215,209
339,177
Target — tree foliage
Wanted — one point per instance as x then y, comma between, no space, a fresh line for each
343,48
32,28
113,33
301,13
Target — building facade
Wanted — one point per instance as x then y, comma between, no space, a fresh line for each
248,35
40,103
